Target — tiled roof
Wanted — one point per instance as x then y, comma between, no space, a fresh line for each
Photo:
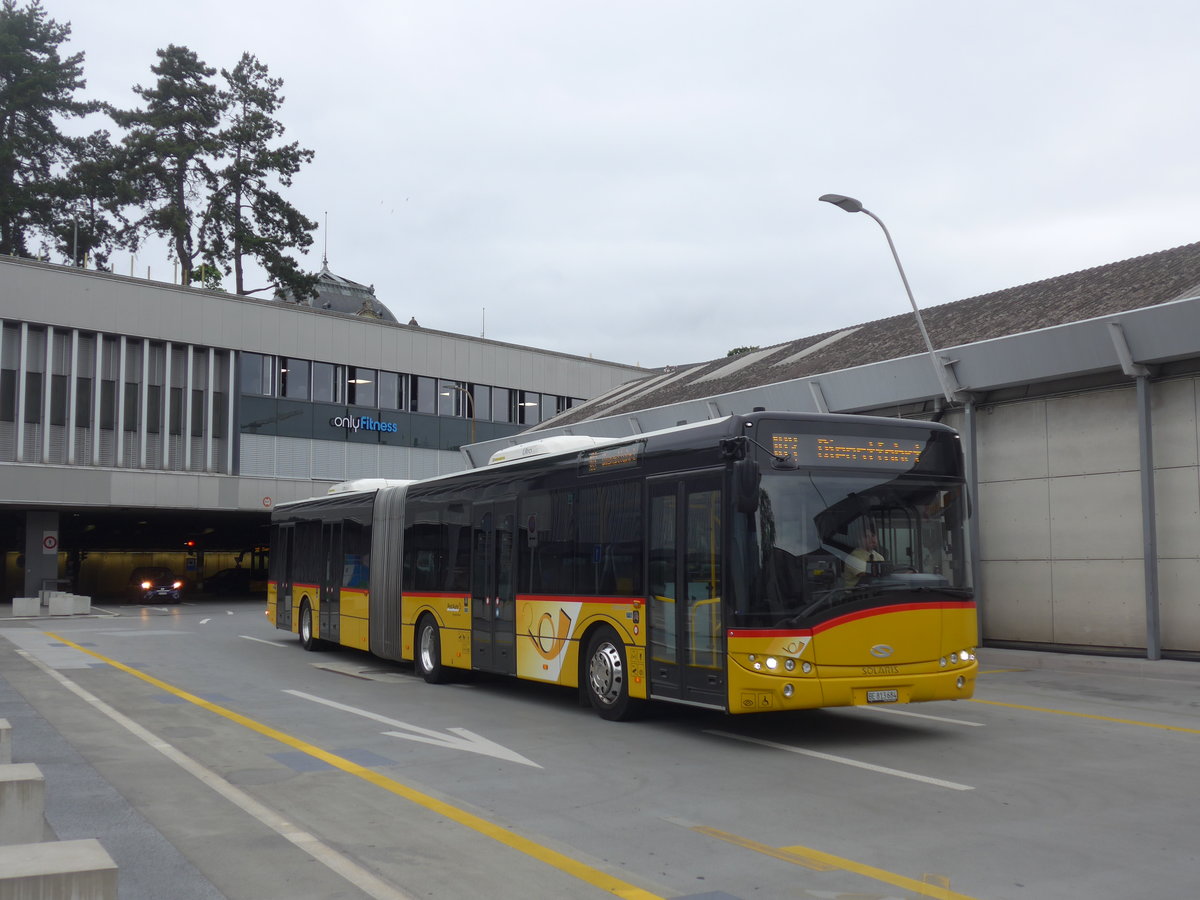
1117,287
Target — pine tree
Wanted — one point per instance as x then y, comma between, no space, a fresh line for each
248,218
37,86
170,151
88,223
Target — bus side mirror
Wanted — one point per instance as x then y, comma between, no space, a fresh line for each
746,478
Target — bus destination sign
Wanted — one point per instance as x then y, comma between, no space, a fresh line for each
605,459
848,450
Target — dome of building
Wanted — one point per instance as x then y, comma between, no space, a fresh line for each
338,294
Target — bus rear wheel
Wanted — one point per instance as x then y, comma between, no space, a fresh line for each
607,676
429,651
307,641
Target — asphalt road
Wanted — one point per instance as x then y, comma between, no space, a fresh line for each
213,758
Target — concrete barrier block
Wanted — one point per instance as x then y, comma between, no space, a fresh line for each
5,742
27,606
80,605
61,604
79,870
22,804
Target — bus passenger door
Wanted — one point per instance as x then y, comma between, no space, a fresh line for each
281,565
493,600
684,585
329,627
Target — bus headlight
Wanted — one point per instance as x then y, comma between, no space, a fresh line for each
757,666
966,655
806,667
790,665
772,663
788,690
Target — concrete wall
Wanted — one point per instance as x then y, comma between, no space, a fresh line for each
1061,524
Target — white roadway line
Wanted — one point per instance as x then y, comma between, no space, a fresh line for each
361,878
261,641
451,739
916,715
846,761
205,621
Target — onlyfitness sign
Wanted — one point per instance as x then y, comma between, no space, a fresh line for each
362,423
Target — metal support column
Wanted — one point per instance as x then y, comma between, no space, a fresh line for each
1149,529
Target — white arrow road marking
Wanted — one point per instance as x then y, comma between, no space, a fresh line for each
846,761
205,621
454,739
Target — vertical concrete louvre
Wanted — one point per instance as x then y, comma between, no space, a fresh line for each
72,396
22,366
47,381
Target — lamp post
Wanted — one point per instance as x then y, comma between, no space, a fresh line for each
850,205
470,403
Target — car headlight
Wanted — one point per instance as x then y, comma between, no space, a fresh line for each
145,585
177,585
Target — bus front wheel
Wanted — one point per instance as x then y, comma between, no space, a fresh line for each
607,675
429,651
307,641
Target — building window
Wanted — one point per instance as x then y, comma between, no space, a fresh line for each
391,390
258,374
327,383
294,378
454,399
361,386
483,402
529,404
502,405
424,395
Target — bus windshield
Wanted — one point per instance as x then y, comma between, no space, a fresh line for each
823,544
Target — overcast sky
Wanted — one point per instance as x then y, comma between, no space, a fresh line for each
638,181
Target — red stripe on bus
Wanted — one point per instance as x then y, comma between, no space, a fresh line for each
849,617
769,632
556,598
884,610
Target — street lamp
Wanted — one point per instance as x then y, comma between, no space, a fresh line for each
850,205
470,403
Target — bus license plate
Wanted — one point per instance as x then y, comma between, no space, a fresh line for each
883,696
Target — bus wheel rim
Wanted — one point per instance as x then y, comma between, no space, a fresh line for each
427,648
606,674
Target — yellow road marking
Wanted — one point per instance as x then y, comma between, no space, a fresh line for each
797,855
498,833
827,862
1079,715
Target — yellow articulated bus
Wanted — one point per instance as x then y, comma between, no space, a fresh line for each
760,562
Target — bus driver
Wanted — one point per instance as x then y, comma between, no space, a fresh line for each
858,563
